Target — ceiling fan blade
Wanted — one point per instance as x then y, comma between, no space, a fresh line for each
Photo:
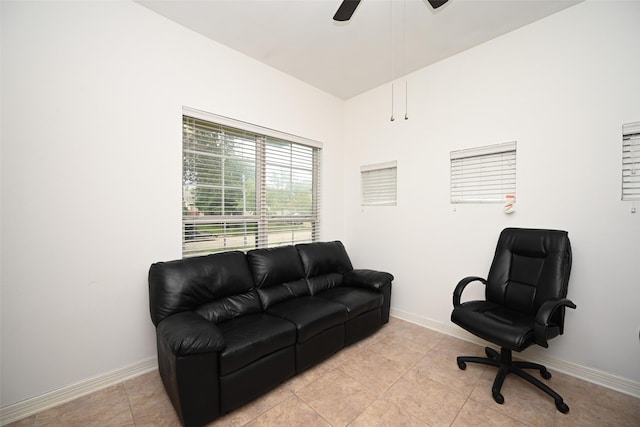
346,9
437,3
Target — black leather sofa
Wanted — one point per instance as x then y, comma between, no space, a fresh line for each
230,326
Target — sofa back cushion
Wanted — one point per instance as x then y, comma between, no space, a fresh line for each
218,286
324,264
278,274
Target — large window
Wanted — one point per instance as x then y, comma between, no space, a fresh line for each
246,187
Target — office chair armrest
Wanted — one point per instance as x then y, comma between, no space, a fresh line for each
457,292
543,317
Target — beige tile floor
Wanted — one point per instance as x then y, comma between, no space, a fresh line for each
404,375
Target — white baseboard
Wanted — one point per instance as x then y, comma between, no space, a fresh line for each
591,375
28,407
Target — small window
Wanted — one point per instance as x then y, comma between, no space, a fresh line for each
379,184
483,174
631,161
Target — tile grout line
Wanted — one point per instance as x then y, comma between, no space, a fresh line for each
126,392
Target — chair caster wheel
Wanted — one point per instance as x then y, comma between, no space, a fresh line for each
462,365
562,407
498,398
545,374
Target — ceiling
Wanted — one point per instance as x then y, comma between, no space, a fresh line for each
383,40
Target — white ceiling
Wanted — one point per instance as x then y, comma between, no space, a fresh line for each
383,40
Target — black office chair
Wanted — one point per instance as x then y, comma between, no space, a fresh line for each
525,300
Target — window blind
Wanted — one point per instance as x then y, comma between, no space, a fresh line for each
631,161
483,174
243,190
379,184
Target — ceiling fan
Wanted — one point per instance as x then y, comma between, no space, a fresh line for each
347,8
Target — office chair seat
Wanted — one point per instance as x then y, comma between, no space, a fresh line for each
492,322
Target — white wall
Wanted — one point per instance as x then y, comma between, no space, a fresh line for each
91,104
562,88
91,174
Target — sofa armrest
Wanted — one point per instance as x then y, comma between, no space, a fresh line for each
188,365
377,281
189,333
371,279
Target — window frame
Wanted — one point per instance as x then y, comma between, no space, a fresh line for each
273,155
630,176
485,174
379,184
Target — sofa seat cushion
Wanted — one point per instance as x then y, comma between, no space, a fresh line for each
357,301
311,315
248,338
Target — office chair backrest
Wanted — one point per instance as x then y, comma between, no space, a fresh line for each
530,266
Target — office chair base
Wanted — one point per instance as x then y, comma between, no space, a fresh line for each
506,366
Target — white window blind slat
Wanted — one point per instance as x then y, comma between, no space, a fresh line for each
483,174
379,184
248,127
244,190
631,161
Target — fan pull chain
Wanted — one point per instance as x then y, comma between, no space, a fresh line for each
404,58
391,53
392,118
406,100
